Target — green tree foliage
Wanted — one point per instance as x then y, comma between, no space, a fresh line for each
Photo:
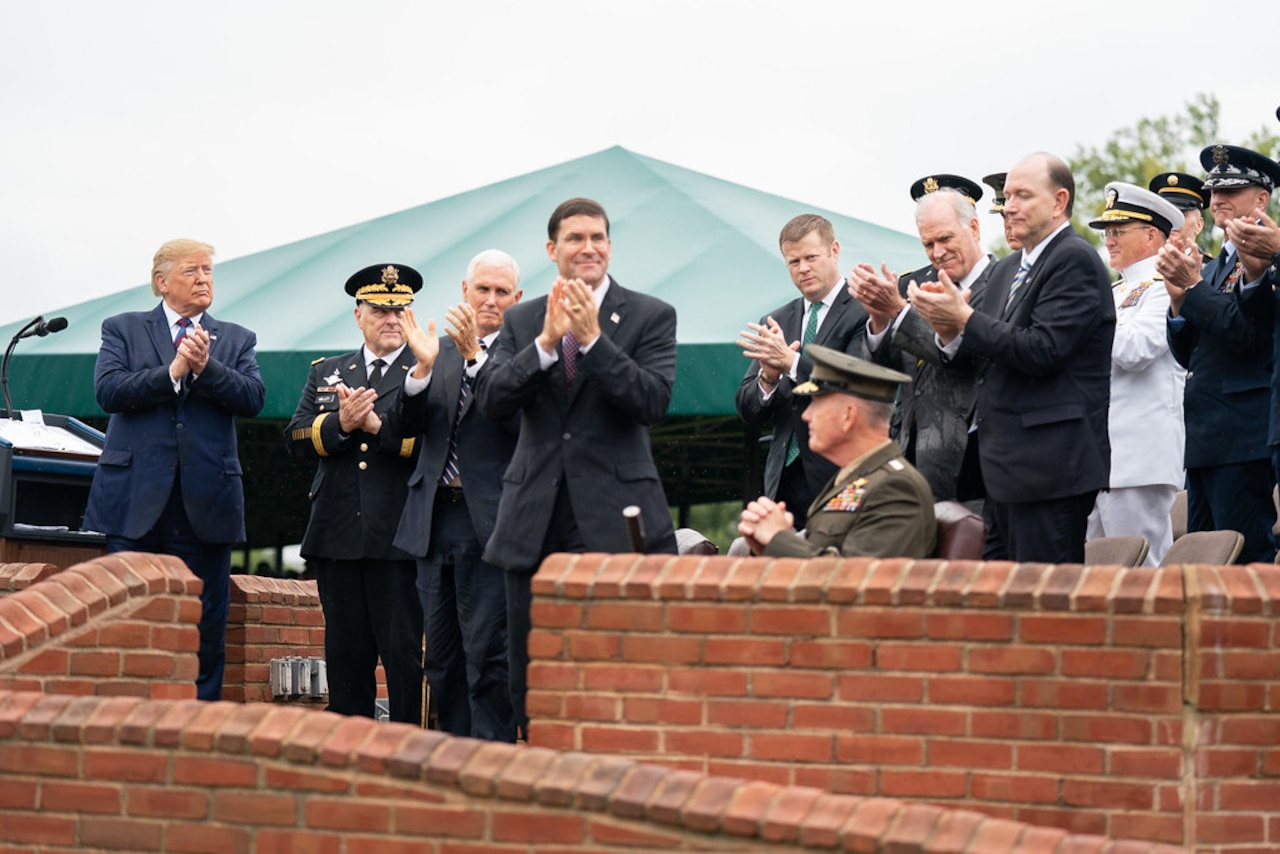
1154,145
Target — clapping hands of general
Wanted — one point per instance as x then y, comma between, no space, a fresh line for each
1257,238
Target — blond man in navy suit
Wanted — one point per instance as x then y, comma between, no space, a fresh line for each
168,480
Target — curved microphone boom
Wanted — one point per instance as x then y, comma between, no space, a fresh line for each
38,327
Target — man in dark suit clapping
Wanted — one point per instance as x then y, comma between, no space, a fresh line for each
1043,336
937,408
452,504
823,314
587,369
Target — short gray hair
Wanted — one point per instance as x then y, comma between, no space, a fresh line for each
493,258
959,203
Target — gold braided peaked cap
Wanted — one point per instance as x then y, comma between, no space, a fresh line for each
385,285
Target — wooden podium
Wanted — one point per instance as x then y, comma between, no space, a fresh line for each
46,468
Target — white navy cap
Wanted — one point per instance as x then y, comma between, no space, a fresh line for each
1131,203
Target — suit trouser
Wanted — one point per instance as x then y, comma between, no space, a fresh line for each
1050,531
1235,497
211,562
371,611
562,536
464,609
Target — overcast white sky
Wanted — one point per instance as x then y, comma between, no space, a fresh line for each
252,124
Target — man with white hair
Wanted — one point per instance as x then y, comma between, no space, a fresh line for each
452,504
936,409
1145,417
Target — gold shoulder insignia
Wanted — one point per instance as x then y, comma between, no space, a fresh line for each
318,361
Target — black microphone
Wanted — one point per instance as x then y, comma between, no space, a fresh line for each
44,327
38,327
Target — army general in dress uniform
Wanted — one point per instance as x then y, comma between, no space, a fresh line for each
367,587
877,504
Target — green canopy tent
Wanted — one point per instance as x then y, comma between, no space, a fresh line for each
707,246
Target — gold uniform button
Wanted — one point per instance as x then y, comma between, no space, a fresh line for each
364,446
363,465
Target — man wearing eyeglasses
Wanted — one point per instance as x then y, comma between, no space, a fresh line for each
1145,417
367,586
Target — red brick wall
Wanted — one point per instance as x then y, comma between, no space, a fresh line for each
1133,703
118,625
269,618
122,773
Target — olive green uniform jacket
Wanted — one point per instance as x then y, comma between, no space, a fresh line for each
877,506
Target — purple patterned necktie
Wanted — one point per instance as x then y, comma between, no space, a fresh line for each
183,325
570,346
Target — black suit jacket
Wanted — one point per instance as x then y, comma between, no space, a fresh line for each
842,329
484,450
156,433
594,439
358,492
1044,377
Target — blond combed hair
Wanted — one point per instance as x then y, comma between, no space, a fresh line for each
169,253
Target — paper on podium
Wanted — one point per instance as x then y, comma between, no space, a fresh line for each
36,436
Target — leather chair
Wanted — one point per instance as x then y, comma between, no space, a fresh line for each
962,534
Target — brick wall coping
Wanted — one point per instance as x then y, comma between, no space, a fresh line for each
20,576
1252,589
68,598
263,590
798,816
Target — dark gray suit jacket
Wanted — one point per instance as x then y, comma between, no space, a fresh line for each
594,439
841,329
484,450
937,406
